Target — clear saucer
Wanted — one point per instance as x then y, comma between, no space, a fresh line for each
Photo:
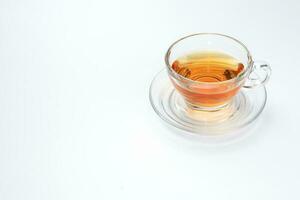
246,106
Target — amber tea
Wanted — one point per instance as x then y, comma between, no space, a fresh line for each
208,67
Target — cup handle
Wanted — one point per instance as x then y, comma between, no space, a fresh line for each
259,75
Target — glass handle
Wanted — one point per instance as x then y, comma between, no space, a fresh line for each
259,75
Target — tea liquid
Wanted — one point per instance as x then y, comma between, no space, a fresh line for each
207,67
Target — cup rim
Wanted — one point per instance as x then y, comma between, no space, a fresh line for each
237,78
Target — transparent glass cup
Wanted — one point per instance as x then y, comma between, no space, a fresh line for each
212,96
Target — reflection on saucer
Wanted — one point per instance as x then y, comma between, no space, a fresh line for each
207,116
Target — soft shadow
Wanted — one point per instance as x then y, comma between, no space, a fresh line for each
243,138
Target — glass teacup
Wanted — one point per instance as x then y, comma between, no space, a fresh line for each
208,87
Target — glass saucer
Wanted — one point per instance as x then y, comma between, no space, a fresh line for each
245,107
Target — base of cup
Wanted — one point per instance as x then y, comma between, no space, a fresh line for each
207,108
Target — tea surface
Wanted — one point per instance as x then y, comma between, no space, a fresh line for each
208,66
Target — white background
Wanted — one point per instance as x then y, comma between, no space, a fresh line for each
76,123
